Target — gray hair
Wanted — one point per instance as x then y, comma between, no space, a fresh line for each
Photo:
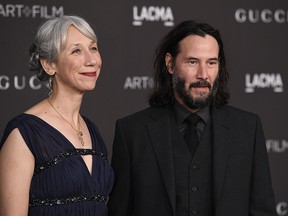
50,40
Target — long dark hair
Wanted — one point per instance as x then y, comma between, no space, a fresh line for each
163,87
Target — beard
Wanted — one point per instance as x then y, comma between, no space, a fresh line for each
203,99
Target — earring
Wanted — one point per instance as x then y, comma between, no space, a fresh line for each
50,85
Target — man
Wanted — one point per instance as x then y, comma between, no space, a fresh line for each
224,173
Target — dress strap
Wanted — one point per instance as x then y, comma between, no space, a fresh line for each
69,153
75,199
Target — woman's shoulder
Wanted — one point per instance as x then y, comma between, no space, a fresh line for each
16,127
19,120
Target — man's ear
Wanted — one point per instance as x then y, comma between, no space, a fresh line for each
169,63
49,67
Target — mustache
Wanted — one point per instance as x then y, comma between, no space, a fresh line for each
201,83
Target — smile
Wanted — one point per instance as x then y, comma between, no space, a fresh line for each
90,74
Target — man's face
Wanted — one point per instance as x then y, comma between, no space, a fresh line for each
195,71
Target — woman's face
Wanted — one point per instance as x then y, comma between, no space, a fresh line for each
79,64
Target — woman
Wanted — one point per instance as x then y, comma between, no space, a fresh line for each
53,161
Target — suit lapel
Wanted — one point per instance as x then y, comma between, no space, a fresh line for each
221,148
160,132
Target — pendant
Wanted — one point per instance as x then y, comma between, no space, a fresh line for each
80,137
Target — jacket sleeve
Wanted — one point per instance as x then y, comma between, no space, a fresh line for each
262,202
120,201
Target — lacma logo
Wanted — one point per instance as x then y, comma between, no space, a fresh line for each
33,11
152,14
263,80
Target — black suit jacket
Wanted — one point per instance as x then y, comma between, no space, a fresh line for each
142,160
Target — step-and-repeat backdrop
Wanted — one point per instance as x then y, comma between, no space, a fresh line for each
255,35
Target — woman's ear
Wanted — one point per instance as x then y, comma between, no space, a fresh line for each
48,67
169,63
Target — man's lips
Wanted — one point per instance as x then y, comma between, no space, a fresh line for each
200,89
200,85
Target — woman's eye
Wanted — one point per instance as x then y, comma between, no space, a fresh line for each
95,49
76,51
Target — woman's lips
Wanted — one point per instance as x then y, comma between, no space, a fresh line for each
90,74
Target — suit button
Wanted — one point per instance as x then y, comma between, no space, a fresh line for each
194,212
194,189
194,167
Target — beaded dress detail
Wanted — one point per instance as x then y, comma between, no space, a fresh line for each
62,184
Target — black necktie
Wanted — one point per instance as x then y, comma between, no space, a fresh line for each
190,135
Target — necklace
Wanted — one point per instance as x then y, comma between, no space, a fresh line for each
78,132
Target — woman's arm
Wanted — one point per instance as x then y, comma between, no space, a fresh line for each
16,171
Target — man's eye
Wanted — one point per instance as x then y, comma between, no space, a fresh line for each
213,63
193,62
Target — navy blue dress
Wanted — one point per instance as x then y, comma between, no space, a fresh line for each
62,184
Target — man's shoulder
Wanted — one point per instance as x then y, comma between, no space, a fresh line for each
147,113
233,109
232,112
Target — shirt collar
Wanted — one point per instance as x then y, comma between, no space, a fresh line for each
181,113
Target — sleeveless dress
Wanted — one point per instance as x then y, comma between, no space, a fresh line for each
62,184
